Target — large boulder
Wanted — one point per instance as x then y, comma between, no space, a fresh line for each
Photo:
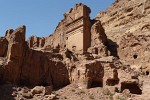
139,46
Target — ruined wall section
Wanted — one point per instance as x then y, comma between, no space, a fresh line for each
87,30
58,37
73,30
36,42
77,27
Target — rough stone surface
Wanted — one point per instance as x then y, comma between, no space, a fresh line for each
3,46
77,24
36,42
110,61
26,66
127,25
15,54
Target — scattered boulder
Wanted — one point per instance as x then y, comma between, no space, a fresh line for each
48,90
38,90
27,95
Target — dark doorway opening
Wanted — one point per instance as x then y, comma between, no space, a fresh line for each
133,87
112,82
96,84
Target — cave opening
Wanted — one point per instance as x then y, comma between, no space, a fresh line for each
135,56
112,82
96,84
147,73
133,88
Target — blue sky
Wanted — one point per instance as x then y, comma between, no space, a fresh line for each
41,16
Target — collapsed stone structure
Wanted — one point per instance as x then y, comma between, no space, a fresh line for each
76,32
36,42
75,25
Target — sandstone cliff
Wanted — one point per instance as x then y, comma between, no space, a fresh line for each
112,52
22,65
127,23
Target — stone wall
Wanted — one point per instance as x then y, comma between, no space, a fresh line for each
76,32
35,42
78,27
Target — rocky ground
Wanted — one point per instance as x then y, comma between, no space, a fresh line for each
71,92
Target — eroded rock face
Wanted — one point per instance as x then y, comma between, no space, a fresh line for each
35,69
127,24
92,73
98,35
23,65
3,46
41,69
98,40
36,42
8,33
15,54
54,60
87,74
139,47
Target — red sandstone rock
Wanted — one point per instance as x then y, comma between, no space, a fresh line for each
3,47
36,42
98,35
49,63
15,54
30,67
